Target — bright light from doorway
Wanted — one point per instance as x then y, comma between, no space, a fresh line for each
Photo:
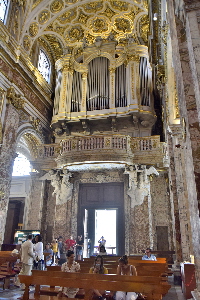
21,166
105,225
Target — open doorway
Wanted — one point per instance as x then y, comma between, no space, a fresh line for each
105,225
101,212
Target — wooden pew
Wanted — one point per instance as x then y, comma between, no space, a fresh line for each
144,268
152,287
7,259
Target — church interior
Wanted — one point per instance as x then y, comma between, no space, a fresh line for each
102,98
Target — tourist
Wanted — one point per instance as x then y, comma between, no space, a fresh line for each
98,268
48,260
39,256
148,255
79,247
125,269
69,266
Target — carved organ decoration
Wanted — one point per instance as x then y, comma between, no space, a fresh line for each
102,78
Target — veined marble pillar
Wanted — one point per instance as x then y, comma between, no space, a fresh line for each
34,204
180,32
7,156
174,203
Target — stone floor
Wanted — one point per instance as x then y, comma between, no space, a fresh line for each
175,293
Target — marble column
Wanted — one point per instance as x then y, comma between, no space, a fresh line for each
180,32
7,156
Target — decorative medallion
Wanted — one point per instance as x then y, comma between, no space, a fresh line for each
75,34
98,25
33,29
26,42
123,25
56,6
44,16
67,17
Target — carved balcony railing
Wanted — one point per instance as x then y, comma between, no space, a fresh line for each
142,150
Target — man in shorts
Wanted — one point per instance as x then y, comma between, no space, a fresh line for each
79,247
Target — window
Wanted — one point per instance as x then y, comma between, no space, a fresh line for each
21,166
3,9
44,65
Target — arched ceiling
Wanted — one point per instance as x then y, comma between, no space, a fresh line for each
63,25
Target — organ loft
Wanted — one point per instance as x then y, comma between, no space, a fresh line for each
102,99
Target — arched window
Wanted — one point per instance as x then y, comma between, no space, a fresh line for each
3,9
44,65
21,166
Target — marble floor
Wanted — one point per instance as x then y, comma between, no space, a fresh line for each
175,293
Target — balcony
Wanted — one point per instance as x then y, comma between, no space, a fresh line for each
107,148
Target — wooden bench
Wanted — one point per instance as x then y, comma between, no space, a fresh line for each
144,268
153,287
7,271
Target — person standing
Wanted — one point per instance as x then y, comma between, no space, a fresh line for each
27,257
70,243
39,256
79,247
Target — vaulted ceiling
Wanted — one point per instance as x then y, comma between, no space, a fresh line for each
62,25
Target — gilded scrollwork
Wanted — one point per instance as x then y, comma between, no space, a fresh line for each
43,16
144,28
14,99
33,29
98,25
56,6
122,24
26,43
93,7
67,17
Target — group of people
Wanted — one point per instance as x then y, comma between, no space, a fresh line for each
124,268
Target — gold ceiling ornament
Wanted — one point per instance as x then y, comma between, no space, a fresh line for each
144,28
43,16
55,45
90,38
67,17
98,25
82,18
122,25
120,5
26,42
75,34
93,7
109,13
56,27
35,3
56,6
33,29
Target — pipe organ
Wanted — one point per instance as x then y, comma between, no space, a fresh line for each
98,81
